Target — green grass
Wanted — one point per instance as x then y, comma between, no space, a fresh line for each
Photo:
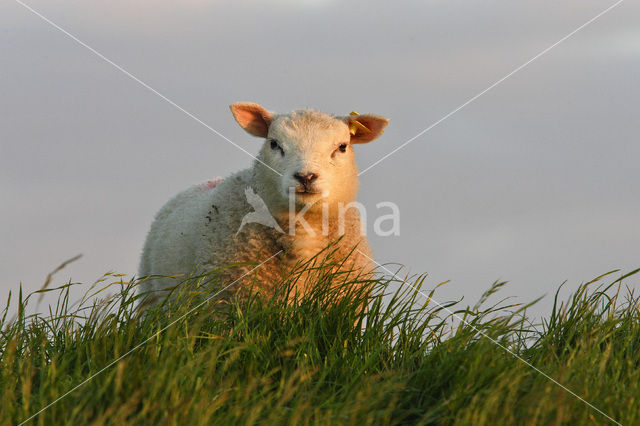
323,359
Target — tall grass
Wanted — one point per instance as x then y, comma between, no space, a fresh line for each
350,351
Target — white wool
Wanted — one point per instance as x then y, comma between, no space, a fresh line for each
198,230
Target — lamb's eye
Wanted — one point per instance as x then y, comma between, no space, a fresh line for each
274,146
343,147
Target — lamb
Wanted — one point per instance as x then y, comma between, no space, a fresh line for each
292,203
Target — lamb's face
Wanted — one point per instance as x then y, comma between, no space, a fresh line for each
313,153
309,154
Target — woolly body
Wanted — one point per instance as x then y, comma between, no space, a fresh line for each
198,230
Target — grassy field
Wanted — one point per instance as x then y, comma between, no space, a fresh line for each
324,359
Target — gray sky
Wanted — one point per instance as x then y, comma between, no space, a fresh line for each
536,182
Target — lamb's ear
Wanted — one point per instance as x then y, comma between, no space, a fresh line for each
252,118
365,128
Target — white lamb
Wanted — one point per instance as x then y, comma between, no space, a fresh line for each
290,202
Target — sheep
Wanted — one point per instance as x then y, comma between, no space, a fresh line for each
294,201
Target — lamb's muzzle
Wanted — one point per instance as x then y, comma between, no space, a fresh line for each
306,181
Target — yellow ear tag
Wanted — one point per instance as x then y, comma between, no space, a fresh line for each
355,125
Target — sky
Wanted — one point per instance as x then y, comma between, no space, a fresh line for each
535,182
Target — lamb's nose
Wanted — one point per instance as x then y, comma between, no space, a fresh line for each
305,178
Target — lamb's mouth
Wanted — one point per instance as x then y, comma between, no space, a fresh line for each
301,192
305,190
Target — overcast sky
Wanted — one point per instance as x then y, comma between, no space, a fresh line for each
535,182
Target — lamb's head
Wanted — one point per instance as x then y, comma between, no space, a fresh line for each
309,154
